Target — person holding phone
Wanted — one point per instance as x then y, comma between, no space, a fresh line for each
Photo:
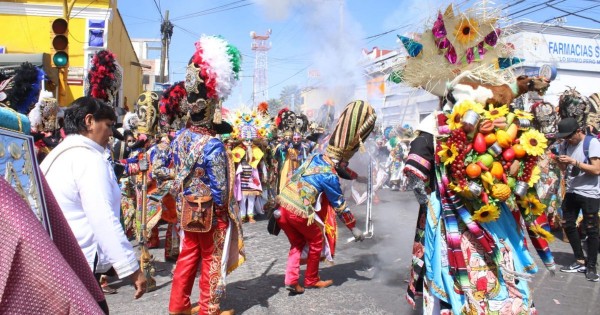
579,156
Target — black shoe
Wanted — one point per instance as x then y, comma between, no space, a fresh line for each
574,267
591,275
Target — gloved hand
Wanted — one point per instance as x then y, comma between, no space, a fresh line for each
358,234
143,164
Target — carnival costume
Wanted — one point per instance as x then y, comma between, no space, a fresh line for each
310,201
38,247
250,128
291,152
204,181
44,124
469,255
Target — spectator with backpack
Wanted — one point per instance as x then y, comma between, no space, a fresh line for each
580,158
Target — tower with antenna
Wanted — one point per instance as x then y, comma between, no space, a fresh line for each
260,46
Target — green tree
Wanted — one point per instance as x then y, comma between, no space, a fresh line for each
290,97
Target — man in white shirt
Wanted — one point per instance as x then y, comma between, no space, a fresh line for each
85,186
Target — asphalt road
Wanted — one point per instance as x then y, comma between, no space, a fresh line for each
369,277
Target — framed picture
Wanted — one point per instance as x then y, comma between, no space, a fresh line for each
19,167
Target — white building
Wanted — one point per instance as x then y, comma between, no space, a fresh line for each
573,52
148,52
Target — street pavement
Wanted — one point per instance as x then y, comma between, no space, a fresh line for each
369,277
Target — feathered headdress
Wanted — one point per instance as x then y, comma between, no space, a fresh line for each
21,91
170,106
263,108
104,78
211,74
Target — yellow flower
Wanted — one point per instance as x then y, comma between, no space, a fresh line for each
466,31
535,176
523,114
531,204
496,112
247,117
455,120
486,214
541,232
534,142
466,105
257,121
448,154
237,122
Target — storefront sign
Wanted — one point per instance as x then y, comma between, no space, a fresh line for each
563,52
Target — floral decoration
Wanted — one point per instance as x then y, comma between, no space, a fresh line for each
481,165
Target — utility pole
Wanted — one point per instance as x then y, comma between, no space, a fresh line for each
166,31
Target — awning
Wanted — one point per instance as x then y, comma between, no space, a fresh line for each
13,61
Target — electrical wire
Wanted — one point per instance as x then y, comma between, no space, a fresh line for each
573,13
217,9
159,12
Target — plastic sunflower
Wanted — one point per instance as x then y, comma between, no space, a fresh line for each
541,232
246,117
455,120
533,142
466,105
487,213
535,176
523,114
532,205
496,112
466,30
448,154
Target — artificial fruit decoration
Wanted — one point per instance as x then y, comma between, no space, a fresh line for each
486,159
508,155
497,170
479,144
486,126
512,131
503,139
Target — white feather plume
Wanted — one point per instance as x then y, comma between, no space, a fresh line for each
214,53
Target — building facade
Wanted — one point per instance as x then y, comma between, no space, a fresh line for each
93,26
570,54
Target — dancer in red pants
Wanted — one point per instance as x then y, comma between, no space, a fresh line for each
204,181
311,200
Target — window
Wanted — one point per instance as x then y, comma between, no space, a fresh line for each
96,33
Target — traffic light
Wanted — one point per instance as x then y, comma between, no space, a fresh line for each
60,43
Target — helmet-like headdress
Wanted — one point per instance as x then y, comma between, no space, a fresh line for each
171,117
147,112
352,128
210,76
104,78
43,116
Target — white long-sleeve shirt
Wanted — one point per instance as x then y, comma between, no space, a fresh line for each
84,184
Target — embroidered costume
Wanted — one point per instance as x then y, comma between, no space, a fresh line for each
251,127
311,200
204,181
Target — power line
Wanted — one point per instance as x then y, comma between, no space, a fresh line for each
217,9
158,9
573,13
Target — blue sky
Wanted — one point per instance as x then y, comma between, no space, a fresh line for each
303,30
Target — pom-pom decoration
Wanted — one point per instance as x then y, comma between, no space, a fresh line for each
104,77
219,64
